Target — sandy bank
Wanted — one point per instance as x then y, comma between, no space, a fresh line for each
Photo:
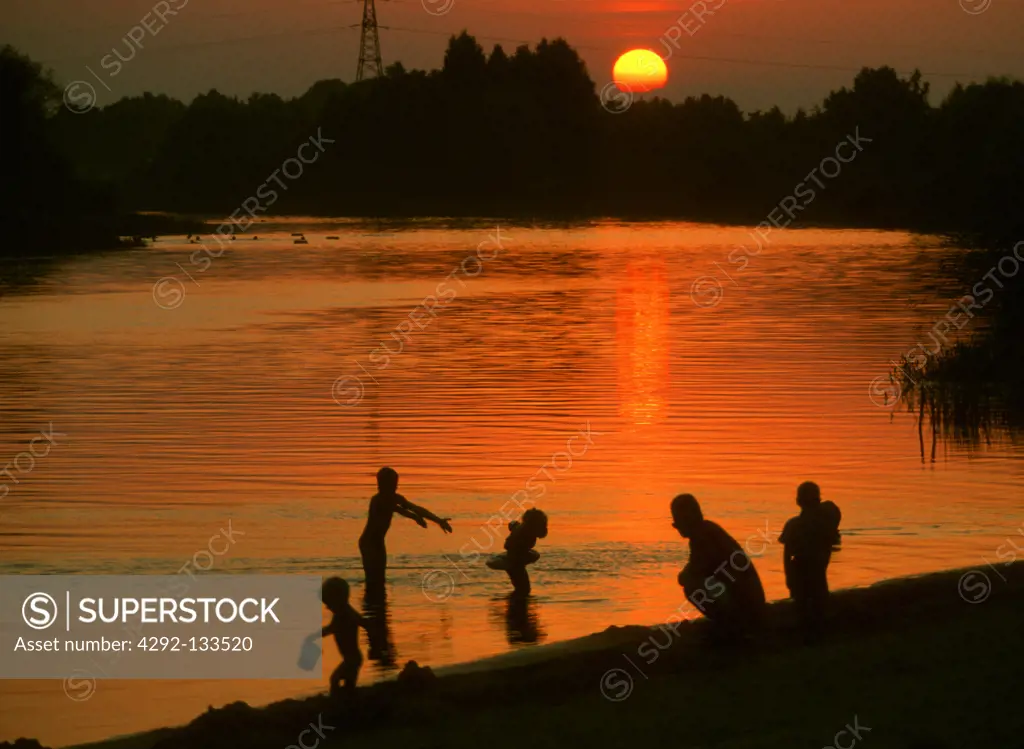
910,658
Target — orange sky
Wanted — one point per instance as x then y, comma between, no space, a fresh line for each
284,47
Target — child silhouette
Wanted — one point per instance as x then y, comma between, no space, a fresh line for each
831,517
807,544
522,537
345,624
383,505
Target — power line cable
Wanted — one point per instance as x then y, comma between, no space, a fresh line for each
434,32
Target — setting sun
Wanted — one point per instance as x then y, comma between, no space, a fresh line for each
639,70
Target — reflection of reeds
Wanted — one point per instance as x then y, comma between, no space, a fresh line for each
971,392
969,395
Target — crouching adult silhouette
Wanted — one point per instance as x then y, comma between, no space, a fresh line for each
719,579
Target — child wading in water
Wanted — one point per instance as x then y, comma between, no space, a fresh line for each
345,624
383,505
519,553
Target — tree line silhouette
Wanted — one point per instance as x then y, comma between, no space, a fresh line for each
528,135
519,135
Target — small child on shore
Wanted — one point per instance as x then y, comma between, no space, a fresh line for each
519,552
832,517
345,624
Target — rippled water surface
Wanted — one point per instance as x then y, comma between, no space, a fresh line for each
266,386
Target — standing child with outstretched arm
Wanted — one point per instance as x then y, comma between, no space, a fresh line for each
383,505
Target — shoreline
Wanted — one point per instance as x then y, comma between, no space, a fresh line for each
907,608
568,220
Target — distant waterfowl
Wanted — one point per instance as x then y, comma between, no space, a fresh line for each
332,236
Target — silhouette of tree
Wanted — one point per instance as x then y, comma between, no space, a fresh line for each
44,208
526,134
464,62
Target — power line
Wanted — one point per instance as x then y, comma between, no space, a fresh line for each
710,58
608,48
875,45
192,17
323,3
230,40
814,66
484,38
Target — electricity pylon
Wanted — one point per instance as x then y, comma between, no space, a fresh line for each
370,65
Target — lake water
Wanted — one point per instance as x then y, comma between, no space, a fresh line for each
259,394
